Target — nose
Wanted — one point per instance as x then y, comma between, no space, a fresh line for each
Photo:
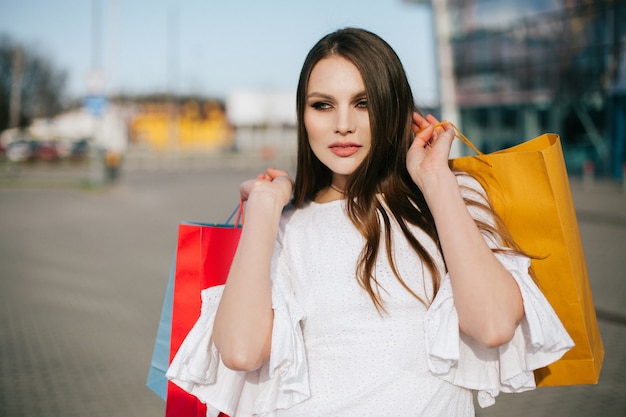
344,123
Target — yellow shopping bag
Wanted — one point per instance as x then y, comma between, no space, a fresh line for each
529,189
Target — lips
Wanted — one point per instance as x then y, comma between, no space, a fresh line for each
344,149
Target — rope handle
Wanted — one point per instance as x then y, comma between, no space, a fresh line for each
239,220
459,135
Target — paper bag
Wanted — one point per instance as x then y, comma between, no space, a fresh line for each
157,381
203,258
529,189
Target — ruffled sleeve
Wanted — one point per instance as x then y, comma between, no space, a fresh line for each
280,383
539,339
285,381
198,369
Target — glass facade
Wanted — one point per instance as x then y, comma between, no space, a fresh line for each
525,68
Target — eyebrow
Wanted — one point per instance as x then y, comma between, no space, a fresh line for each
330,97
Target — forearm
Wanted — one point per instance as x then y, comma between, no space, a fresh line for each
486,297
243,323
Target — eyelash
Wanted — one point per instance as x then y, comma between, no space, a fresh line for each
322,105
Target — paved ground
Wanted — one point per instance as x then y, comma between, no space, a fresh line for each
83,272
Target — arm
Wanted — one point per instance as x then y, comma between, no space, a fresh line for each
243,323
486,297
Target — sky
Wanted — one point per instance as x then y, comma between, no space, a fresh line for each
208,47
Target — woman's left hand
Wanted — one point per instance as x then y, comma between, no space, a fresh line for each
427,158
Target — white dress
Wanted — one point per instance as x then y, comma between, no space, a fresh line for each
334,354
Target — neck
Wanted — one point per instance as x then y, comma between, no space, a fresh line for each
340,191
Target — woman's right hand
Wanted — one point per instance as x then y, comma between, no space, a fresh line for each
242,330
427,158
275,181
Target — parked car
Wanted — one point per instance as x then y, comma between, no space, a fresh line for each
47,151
21,150
80,149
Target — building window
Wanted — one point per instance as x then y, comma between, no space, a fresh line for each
508,118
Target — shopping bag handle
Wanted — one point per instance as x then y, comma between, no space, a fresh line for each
459,135
239,220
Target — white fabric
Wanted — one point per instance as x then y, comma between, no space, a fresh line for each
334,354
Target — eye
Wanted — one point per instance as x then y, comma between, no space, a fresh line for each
321,105
361,102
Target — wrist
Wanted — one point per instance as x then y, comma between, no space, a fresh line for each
442,195
438,182
266,200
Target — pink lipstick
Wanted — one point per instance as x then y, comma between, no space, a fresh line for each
344,149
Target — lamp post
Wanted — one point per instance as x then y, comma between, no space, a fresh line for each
95,100
15,101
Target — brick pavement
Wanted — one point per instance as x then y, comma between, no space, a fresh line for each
82,275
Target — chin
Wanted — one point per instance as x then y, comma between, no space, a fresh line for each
342,170
344,167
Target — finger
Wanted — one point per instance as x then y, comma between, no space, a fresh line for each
417,149
443,137
279,173
419,122
443,128
425,135
284,179
432,119
275,172
417,119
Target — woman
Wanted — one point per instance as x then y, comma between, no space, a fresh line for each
379,282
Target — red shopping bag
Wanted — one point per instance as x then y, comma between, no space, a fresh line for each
203,258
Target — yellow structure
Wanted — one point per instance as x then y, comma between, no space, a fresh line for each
190,126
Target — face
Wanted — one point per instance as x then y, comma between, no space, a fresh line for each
336,117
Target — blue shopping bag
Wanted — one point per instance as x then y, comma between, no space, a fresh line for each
156,380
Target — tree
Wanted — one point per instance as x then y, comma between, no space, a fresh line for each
30,84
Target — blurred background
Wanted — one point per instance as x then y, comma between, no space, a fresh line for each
127,83
121,118
148,83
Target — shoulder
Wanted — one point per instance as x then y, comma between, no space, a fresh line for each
311,215
293,216
471,188
288,212
476,199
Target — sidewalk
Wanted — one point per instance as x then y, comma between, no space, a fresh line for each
83,274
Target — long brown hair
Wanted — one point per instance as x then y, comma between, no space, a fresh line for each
380,190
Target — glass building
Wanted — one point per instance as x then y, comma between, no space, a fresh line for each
522,68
